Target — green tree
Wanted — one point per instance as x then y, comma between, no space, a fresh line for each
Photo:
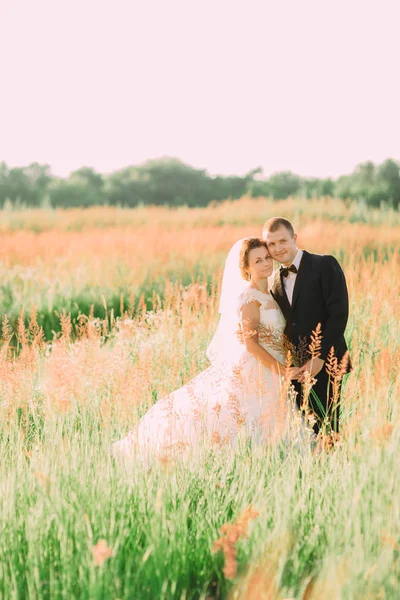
169,181
388,176
172,182
25,185
84,187
373,184
284,184
127,187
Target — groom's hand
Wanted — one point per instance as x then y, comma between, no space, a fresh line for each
313,366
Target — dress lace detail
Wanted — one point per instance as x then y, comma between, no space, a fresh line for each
265,300
225,401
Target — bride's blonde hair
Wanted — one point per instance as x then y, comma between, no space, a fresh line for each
249,244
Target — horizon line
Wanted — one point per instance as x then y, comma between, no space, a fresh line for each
166,158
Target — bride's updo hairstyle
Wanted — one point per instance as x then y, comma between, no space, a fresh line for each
247,245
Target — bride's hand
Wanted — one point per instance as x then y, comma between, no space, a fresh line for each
313,366
294,372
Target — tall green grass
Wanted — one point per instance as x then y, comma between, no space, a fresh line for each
333,519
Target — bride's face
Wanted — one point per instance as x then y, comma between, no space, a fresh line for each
260,263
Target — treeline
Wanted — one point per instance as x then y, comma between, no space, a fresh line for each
171,182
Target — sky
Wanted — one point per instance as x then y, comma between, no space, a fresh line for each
310,86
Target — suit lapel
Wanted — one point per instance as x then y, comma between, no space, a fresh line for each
279,294
304,271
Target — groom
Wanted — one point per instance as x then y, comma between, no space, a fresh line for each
310,290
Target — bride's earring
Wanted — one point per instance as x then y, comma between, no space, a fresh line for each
248,276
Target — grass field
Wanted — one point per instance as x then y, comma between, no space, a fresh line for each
141,287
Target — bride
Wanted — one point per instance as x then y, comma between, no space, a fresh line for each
240,394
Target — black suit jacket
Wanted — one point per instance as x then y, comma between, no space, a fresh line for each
319,296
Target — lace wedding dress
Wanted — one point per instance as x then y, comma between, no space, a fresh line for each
237,396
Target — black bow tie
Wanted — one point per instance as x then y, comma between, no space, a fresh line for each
285,270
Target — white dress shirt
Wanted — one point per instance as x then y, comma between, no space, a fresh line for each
290,280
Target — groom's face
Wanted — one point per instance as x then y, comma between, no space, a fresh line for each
281,245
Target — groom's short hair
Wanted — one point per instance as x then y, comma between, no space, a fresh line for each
274,223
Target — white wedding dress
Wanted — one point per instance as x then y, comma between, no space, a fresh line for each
236,397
